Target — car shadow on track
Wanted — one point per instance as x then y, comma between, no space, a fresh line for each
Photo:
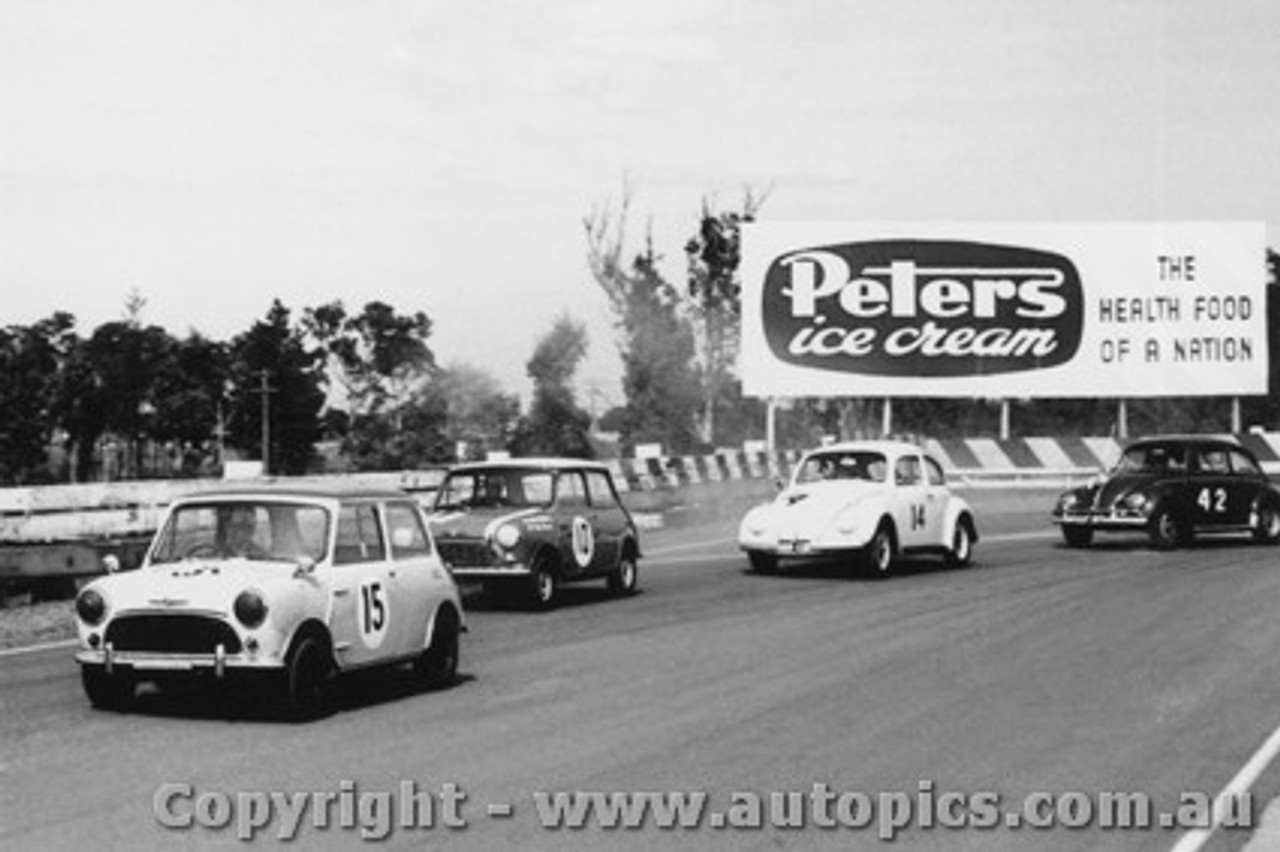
567,597
213,702
841,569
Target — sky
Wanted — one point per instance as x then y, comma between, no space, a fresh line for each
442,156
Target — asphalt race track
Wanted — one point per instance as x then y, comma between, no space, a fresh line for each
1039,670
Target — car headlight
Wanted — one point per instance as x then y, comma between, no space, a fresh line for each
508,535
1136,501
250,608
91,607
1068,501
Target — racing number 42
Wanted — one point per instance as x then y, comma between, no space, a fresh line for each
1213,500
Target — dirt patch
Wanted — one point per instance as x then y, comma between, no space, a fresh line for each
35,624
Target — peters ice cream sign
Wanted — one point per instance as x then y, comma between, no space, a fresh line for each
1000,310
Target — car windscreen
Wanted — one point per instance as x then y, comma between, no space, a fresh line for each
1153,458
261,530
867,465
495,488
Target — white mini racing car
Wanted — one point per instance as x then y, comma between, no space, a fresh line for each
285,585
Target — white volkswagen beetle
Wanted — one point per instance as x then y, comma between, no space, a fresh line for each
871,500
284,584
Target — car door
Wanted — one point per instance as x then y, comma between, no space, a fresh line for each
607,520
910,501
1218,498
937,503
362,608
577,535
416,577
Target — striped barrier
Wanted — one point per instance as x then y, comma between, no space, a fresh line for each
96,510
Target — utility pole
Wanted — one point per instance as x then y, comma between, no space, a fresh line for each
266,390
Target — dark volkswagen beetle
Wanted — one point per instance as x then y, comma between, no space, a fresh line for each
1172,488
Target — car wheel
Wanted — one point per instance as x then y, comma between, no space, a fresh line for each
1166,529
961,552
437,666
877,556
308,676
107,691
1076,535
543,586
762,562
1266,529
624,578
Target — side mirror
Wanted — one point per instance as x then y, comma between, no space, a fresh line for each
306,566
111,563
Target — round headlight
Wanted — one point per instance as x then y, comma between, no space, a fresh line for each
507,535
1136,500
1068,501
91,606
250,608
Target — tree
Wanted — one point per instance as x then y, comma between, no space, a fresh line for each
555,425
271,364
715,296
656,343
480,416
31,361
382,360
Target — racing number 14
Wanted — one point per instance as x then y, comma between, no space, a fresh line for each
917,516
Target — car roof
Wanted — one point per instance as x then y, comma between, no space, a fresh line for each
538,462
886,446
281,491
1199,440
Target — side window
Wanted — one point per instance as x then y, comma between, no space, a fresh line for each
1242,463
1214,461
359,536
600,488
408,536
907,471
570,490
933,471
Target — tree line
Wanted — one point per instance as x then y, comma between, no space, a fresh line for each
366,385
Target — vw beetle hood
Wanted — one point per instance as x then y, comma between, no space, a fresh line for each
813,505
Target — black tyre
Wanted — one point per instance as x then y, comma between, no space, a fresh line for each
625,577
877,556
762,562
1267,528
544,585
437,667
308,680
1166,529
961,553
107,691
1076,535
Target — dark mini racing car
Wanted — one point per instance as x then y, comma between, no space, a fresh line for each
1174,488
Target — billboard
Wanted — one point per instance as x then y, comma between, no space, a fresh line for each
1051,309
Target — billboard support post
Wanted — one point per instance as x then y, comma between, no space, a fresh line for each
886,418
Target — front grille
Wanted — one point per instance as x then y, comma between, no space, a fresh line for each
178,634
465,553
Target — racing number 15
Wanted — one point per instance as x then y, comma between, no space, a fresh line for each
373,608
